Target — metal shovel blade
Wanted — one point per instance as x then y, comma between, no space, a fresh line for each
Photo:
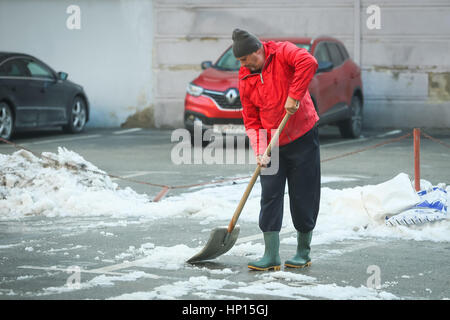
220,241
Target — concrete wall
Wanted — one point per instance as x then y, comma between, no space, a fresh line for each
110,55
135,57
405,63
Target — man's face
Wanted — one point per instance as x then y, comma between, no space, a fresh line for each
253,61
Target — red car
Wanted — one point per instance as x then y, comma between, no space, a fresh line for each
212,99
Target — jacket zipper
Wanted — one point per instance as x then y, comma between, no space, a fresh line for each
260,74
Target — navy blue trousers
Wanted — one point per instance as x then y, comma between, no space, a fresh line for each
299,164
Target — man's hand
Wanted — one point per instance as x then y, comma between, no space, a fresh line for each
262,161
291,105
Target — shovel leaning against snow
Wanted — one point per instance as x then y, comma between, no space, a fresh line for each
223,239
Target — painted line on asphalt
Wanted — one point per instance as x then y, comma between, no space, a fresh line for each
106,270
127,131
70,270
138,174
390,133
63,139
123,265
144,173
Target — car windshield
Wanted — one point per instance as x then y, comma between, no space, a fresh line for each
228,62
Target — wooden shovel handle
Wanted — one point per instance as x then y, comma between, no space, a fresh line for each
255,175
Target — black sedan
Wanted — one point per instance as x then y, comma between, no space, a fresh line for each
33,95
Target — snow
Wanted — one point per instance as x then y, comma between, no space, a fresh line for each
63,184
99,281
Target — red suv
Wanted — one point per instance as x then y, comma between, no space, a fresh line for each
212,99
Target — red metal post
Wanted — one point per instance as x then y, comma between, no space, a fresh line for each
161,194
417,159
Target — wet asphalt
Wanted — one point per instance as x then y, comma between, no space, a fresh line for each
407,269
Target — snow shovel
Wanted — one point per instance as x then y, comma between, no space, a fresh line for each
223,239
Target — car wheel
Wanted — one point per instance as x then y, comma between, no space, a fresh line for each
6,121
352,127
193,140
77,119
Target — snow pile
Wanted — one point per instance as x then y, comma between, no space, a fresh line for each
358,212
61,184
360,206
432,207
64,184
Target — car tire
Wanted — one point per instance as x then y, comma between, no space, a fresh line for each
352,127
6,121
203,143
78,116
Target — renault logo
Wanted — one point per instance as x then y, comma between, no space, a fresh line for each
231,95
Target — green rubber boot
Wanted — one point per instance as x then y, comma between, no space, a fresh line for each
302,258
271,258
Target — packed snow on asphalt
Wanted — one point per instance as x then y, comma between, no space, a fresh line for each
63,184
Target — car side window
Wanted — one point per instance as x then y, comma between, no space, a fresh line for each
37,70
336,56
344,51
12,68
321,53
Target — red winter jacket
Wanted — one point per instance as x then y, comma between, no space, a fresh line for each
288,70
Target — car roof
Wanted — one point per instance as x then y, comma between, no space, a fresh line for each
304,40
326,38
5,54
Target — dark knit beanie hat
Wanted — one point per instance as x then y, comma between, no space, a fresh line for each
244,43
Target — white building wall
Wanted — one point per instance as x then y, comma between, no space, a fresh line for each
110,55
405,63
139,55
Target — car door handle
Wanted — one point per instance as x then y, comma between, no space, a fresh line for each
43,90
13,89
335,81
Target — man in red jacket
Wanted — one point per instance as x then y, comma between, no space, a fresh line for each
274,79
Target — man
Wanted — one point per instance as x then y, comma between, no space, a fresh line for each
274,79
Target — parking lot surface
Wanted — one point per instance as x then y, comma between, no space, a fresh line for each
141,257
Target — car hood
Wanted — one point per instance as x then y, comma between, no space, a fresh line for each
73,84
217,80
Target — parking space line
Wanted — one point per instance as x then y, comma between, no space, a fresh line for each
70,270
127,131
123,265
63,139
137,174
144,173
390,133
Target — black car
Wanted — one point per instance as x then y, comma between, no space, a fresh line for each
33,95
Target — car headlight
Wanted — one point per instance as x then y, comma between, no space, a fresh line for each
194,90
